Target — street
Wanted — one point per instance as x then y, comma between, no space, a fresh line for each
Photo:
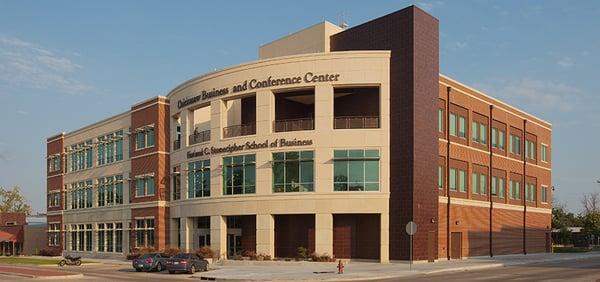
571,270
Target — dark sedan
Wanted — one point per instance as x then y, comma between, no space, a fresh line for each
186,262
150,262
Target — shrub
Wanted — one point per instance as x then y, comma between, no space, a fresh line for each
302,252
206,252
137,252
250,254
321,257
171,251
51,251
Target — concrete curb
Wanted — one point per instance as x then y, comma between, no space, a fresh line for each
79,275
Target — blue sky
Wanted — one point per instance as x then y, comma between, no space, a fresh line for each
65,64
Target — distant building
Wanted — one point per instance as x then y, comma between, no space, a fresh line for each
18,237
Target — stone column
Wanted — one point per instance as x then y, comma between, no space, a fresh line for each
218,235
173,231
324,233
265,234
186,224
384,233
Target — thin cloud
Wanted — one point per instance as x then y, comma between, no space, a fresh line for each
566,62
536,94
27,64
430,5
21,112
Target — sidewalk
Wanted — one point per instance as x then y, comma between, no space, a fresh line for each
310,271
37,273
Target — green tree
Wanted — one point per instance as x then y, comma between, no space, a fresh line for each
562,218
11,200
591,223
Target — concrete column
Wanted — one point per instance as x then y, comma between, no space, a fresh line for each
264,112
125,236
187,224
218,235
265,234
384,240
173,231
324,233
324,123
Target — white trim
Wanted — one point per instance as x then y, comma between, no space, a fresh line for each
486,204
149,154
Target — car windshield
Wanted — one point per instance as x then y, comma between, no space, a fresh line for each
147,256
182,256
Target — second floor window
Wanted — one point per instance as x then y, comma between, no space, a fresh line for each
81,195
199,179
498,139
479,184
239,175
54,199
144,186
176,183
458,179
479,133
458,125
144,138
356,170
498,186
514,190
54,163
515,144
530,192
293,171
110,148
110,190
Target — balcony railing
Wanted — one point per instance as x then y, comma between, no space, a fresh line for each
294,124
356,122
176,144
239,130
199,137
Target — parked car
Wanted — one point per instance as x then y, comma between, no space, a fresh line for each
150,262
186,262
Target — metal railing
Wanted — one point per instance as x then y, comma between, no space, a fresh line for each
239,130
294,124
199,137
355,122
176,144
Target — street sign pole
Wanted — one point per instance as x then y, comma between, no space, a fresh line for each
411,250
411,229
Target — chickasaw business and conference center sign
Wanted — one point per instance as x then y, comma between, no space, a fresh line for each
252,84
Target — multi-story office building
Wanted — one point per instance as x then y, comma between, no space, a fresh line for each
333,140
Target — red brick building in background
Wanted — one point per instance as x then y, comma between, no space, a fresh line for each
473,172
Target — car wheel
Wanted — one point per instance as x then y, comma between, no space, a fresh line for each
171,272
159,267
192,269
138,270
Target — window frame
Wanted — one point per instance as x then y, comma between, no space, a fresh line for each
366,157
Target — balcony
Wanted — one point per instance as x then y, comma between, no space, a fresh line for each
294,125
239,130
356,122
176,144
199,137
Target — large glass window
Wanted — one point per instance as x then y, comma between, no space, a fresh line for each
110,148
356,170
198,179
88,237
144,138
119,237
530,149
239,175
144,230
80,156
144,185
479,183
293,171
479,133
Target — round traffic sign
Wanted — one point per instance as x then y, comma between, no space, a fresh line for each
411,228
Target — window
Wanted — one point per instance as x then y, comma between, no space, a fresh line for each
462,127
355,170
530,149
110,148
144,232
144,185
479,183
81,236
199,179
88,237
514,190
74,237
239,175
176,184
498,186
530,192
458,179
101,237
440,120
54,234
515,145
498,138
144,138
54,163
119,237
110,190
440,177
81,156
53,199
293,171
453,124
544,153
109,237
544,193
81,194
479,133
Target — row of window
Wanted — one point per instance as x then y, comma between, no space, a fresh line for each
109,192
109,237
110,148
354,170
81,156
458,128
458,183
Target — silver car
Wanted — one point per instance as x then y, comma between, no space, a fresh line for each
150,262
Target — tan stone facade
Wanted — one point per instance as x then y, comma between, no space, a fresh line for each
322,143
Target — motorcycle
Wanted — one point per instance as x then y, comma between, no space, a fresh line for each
69,260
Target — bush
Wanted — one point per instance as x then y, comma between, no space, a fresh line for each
171,251
206,252
137,252
51,251
321,257
250,254
302,252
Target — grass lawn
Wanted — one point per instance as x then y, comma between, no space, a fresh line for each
34,261
576,249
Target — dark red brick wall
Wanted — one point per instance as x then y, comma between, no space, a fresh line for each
17,217
412,36
293,231
55,219
161,225
356,236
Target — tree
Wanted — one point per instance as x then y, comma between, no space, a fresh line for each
590,203
562,218
11,200
591,223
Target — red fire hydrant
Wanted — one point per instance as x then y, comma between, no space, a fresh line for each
340,267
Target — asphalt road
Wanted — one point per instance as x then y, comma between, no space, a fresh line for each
572,270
